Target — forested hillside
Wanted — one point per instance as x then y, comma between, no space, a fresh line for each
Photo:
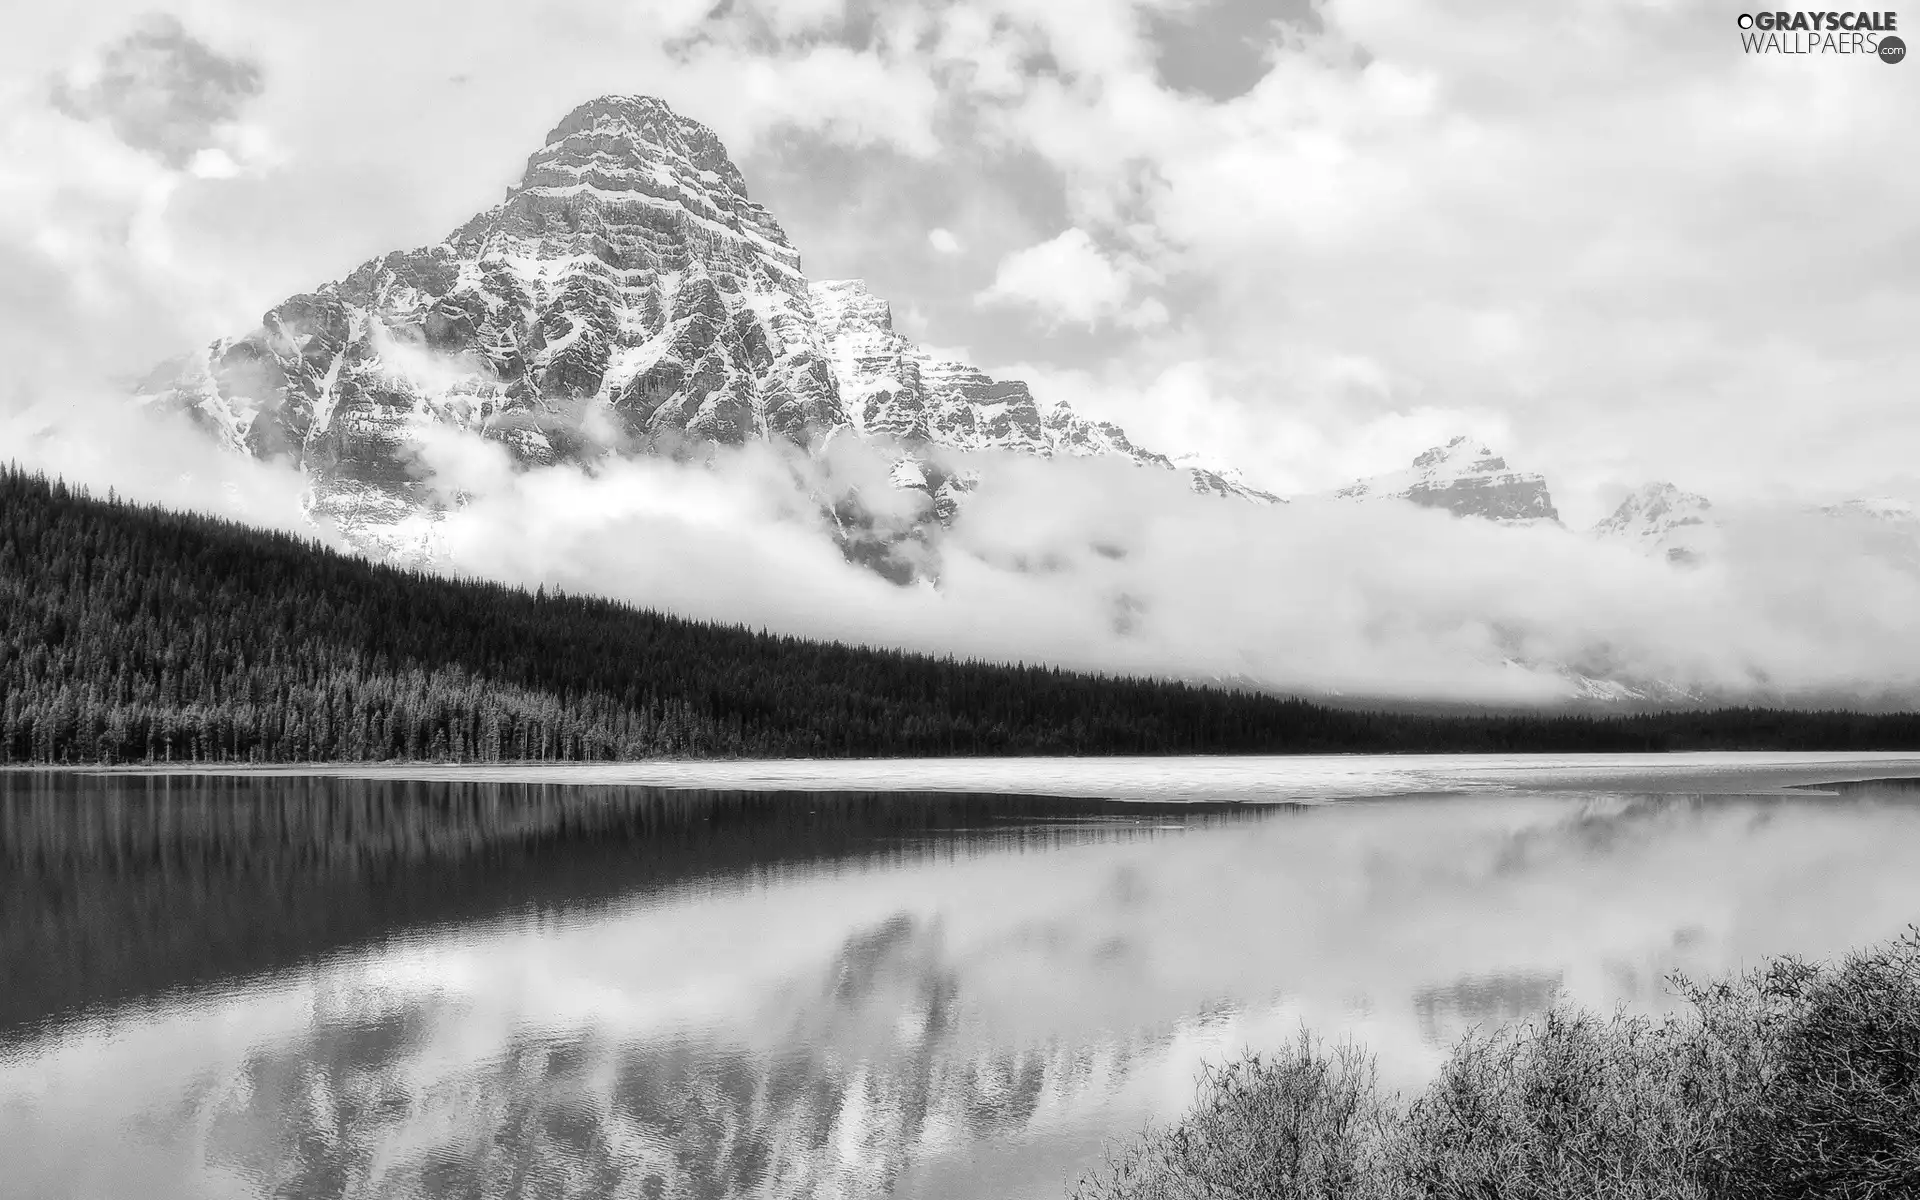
131,634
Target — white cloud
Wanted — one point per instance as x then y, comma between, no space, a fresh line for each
1070,280
850,98
95,280
943,241
91,435
1641,271
1099,564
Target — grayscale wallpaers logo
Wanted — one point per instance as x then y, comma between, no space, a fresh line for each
1823,33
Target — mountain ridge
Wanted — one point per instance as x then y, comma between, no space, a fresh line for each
627,296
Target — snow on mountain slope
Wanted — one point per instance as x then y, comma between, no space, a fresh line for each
1465,478
892,388
1662,519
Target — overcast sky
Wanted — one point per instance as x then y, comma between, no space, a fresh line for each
1310,239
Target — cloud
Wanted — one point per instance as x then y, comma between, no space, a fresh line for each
1098,564
832,92
92,435
1069,279
1624,265
88,266
160,90
92,278
943,241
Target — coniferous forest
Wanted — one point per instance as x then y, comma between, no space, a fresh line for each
133,634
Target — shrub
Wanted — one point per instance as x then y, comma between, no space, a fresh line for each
1829,1105
1570,1106
1792,1080
1299,1123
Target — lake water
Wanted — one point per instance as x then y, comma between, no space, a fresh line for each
837,979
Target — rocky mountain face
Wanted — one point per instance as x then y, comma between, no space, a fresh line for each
1465,478
627,296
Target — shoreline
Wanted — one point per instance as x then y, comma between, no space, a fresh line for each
1294,778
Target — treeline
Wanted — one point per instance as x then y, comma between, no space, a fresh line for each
130,633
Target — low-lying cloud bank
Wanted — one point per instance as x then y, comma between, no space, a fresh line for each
1100,564
95,436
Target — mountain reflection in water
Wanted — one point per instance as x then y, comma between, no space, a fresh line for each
328,987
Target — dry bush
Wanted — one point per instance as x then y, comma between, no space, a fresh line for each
1569,1106
1820,1078
1300,1123
1791,1081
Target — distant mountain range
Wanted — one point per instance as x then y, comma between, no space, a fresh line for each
1466,478
1688,530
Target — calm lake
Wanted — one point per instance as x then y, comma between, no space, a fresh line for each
921,980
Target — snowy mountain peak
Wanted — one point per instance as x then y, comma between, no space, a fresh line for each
625,130
1662,519
1653,511
626,296
1466,478
1460,456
